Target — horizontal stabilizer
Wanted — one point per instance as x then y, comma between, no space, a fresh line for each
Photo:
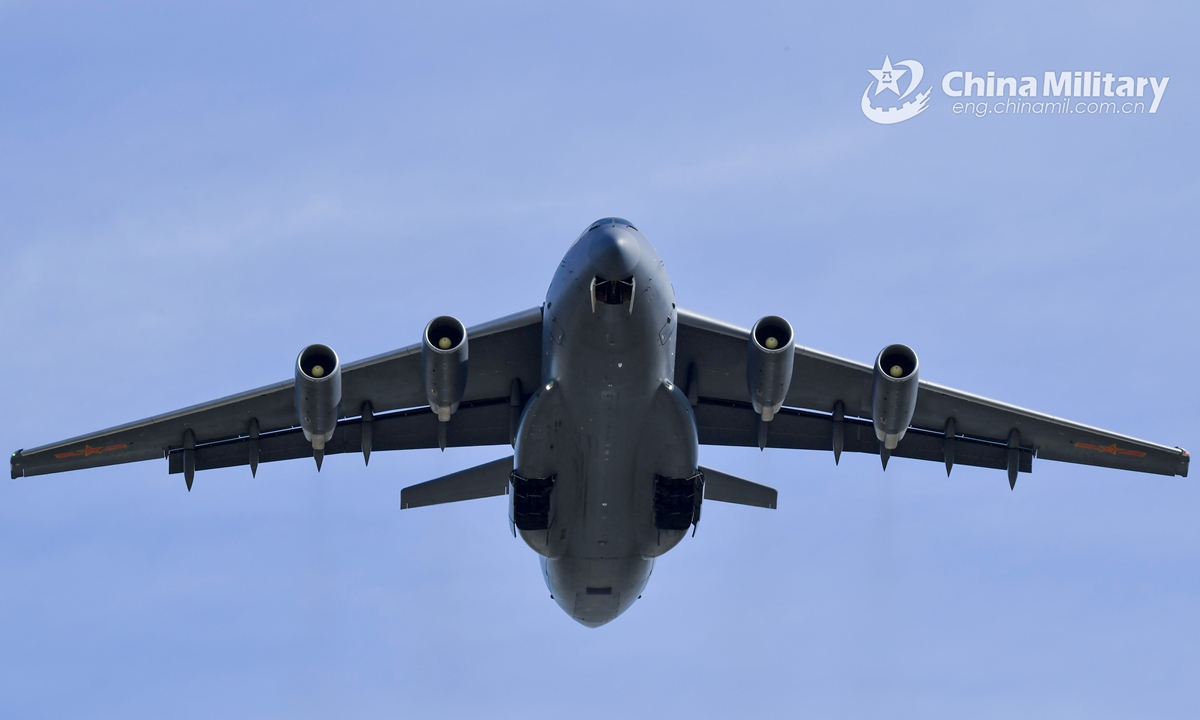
723,487
487,480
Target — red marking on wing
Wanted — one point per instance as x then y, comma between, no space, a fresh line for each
1111,449
89,450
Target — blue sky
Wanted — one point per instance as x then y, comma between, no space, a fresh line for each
190,194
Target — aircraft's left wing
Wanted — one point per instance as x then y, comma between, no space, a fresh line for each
829,405
386,391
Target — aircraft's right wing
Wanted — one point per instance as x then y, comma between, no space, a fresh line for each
711,364
386,391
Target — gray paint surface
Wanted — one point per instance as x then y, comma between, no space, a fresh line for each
605,419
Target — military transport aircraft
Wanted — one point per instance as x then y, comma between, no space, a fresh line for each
605,393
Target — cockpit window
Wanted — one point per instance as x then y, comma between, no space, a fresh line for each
610,221
612,292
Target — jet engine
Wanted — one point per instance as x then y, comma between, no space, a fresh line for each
894,394
444,365
318,394
769,364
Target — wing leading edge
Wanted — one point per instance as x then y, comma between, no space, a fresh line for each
260,425
949,425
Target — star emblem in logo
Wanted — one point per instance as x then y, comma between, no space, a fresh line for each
886,76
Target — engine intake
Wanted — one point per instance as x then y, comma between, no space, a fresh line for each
894,394
771,355
318,393
444,365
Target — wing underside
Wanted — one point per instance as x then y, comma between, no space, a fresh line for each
736,424
829,404
482,423
385,392
383,408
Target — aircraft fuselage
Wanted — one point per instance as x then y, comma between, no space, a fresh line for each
605,422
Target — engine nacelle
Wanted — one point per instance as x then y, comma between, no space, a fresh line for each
894,394
318,393
444,365
771,355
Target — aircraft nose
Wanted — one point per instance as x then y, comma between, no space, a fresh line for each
614,252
